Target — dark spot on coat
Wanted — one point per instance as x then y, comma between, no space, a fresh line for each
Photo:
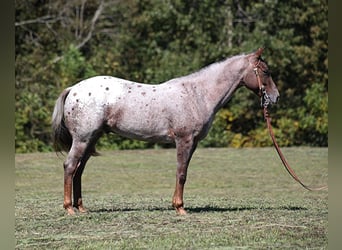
107,88
77,100
154,90
139,86
89,94
75,94
143,93
129,91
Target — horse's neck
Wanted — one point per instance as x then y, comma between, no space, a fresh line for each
220,80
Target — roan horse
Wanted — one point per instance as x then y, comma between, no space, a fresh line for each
178,111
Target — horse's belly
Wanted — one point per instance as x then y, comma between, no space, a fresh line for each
143,133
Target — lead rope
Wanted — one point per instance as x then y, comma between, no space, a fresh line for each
265,103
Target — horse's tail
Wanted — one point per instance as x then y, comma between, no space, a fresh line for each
61,136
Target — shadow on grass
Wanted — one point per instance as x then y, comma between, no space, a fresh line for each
199,209
242,208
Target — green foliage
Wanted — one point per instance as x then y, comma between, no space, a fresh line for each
32,123
313,124
73,67
113,141
220,135
59,44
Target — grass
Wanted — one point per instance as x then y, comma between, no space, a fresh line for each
235,198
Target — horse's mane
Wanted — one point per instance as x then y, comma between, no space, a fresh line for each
206,70
213,66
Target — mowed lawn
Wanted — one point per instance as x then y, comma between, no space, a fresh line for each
235,198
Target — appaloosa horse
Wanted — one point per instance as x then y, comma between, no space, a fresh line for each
178,111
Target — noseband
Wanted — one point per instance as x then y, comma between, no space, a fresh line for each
265,101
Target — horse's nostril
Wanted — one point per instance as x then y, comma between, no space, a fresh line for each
277,98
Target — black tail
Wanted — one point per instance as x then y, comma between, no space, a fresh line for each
61,136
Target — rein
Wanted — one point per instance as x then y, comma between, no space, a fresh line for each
265,101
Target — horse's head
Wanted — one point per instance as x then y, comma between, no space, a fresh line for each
258,79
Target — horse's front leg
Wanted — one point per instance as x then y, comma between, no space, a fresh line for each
185,148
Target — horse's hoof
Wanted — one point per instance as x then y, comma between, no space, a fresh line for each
82,210
181,211
70,211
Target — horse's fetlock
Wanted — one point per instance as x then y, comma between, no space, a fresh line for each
67,205
177,204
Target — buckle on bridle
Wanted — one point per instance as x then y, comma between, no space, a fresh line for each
255,69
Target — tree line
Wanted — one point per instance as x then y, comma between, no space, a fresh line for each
58,43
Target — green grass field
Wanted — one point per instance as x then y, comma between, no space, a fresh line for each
235,198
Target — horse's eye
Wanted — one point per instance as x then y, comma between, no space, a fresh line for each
266,72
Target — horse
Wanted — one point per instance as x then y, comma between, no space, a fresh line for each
178,111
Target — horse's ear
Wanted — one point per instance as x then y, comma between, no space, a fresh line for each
255,57
259,52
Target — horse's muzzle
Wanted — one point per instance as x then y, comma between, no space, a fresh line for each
267,99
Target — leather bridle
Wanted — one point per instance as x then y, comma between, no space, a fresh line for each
265,101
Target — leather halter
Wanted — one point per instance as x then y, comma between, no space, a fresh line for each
265,101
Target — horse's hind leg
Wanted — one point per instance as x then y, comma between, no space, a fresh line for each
77,184
185,148
71,165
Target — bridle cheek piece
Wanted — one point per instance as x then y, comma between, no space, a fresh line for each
265,99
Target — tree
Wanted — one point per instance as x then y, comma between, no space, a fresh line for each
59,43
